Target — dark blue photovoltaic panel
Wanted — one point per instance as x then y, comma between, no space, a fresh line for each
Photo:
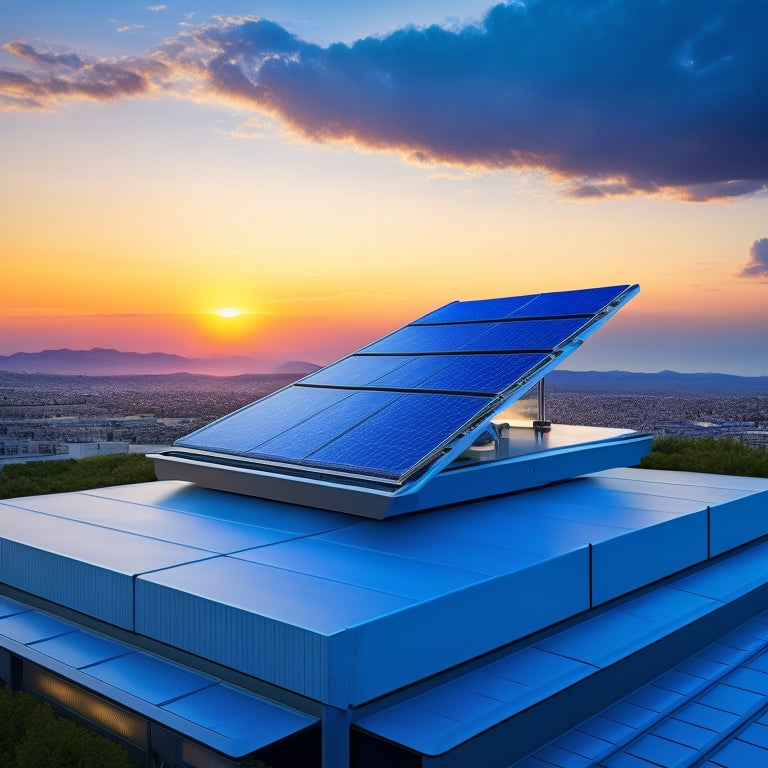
581,302
484,309
487,374
413,374
392,407
517,336
242,430
584,302
471,374
312,434
397,438
356,371
526,335
421,339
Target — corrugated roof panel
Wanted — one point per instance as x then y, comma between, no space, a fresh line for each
81,566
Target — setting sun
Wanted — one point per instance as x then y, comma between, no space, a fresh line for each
228,312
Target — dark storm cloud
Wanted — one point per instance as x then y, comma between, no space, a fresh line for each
757,265
617,97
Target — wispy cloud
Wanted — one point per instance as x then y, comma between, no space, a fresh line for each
613,98
130,27
757,264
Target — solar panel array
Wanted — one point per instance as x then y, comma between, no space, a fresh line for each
391,408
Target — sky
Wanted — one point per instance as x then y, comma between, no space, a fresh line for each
330,171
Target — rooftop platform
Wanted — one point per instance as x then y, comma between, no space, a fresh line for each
373,618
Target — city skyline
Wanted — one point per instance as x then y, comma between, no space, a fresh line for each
330,173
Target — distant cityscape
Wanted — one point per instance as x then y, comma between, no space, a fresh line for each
49,416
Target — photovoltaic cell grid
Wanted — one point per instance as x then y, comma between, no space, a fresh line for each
391,408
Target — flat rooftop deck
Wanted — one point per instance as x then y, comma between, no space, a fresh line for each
344,610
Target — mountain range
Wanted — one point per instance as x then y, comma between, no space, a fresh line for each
111,362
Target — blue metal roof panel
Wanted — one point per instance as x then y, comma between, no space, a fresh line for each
83,543
756,733
246,720
487,557
380,571
690,735
218,505
230,720
217,536
607,637
607,730
477,619
148,677
10,608
84,567
81,649
730,578
655,698
737,506
31,627
738,754
622,564
312,603
694,479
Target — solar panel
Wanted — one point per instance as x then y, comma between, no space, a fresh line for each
415,398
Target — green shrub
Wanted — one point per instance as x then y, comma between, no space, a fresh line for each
39,477
33,736
723,456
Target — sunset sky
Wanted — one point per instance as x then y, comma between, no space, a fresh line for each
332,170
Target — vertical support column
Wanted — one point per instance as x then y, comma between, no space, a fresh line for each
336,736
541,424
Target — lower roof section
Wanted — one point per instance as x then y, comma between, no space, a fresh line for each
227,719
345,610
708,686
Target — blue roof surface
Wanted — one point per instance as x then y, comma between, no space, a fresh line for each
504,605
302,582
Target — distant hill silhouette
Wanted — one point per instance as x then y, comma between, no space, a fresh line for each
297,366
663,381
111,362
